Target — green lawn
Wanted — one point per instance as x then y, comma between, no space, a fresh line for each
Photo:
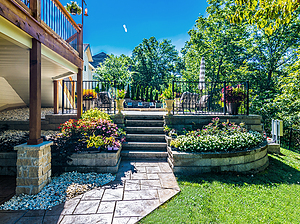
272,196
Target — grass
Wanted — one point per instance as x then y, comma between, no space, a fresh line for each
272,196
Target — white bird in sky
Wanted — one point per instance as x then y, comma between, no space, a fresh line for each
125,28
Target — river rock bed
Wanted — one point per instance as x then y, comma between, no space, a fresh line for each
61,188
22,114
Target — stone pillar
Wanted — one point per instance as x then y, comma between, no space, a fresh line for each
33,167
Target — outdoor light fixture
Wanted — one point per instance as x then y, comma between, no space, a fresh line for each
86,12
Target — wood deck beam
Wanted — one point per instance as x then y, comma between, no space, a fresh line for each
18,16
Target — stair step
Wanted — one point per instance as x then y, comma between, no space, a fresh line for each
144,123
144,117
144,130
143,154
145,137
154,146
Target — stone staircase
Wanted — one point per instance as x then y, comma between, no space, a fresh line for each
145,137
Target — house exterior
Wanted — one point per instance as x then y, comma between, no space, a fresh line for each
40,45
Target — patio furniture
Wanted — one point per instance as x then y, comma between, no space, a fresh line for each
203,102
152,105
129,104
188,101
104,101
140,104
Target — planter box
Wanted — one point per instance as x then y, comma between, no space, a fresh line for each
249,161
8,162
93,161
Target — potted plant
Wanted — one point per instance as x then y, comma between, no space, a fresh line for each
120,100
73,8
88,98
234,96
168,96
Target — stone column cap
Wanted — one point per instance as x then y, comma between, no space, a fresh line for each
33,147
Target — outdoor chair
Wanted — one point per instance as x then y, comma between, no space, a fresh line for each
140,104
203,102
104,101
188,101
129,104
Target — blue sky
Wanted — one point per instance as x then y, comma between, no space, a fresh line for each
104,31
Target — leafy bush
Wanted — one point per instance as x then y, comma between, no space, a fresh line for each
216,137
96,114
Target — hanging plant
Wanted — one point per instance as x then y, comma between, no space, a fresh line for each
73,8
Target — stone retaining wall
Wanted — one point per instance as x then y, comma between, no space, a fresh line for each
100,162
249,161
8,162
252,122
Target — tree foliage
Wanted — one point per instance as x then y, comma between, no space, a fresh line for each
155,63
268,15
114,68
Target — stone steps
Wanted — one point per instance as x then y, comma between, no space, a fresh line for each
145,138
144,130
144,154
154,146
144,123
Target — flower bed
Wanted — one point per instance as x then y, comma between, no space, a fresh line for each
218,147
94,134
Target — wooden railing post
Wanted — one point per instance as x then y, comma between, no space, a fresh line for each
35,7
79,74
56,94
35,94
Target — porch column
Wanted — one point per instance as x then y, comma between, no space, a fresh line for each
35,94
79,93
79,74
56,96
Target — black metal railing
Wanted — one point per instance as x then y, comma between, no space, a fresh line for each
100,94
291,139
54,15
211,97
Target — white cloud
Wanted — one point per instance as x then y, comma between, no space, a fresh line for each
125,28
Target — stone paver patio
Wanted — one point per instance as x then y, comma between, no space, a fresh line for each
139,188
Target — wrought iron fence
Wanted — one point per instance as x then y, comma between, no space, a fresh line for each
291,139
98,94
55,16
211,97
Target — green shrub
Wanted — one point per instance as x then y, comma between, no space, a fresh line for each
216,137
95,113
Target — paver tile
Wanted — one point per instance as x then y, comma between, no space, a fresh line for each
153,169
52,219
138,176
87,219
140,169
87,207
147,164
150,184
35,213
168,181
152,176
93,194
10,216
106,207
70,206
125,220
31,220
135,208
142,194
132,185
166,194
165,167
113,194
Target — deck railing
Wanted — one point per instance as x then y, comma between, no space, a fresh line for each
55,16
208,97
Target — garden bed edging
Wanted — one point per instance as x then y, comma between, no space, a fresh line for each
248,161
